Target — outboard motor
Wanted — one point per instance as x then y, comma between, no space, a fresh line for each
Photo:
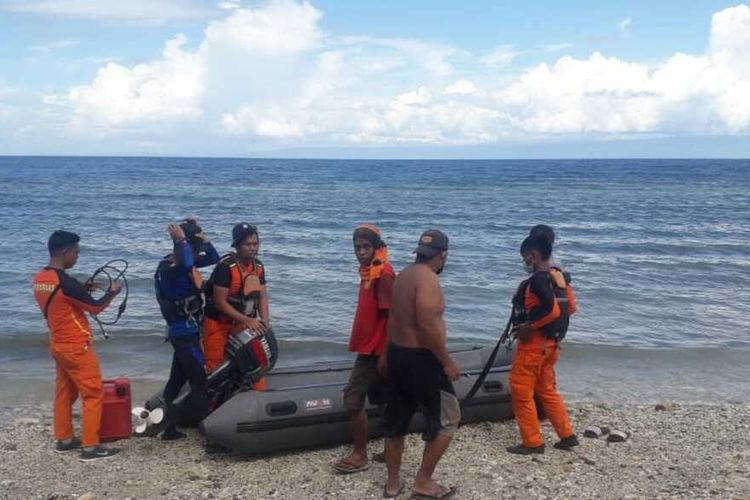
248,357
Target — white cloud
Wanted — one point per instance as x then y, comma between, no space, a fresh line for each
229,5
624,25
57,44
461,87
131,10
501,56
169,88
282,26
555,47
272,74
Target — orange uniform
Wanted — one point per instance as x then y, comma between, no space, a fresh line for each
533,370
63,301
241,280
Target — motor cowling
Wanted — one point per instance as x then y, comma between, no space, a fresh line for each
253,354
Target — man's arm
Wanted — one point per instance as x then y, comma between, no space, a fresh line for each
77,295
265,316
384,292
429,307
211,257
548,310
183,254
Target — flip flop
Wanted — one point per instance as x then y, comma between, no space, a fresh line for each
595,431
444,493
345,467
392,495
618,436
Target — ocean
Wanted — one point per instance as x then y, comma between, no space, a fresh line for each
659,251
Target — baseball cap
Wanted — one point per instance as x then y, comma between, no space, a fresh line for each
431,243
241,231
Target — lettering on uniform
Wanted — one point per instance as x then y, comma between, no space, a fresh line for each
44,287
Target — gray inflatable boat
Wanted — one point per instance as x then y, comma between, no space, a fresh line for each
304,406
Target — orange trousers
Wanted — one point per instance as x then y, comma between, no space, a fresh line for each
533,374
77,373
215,337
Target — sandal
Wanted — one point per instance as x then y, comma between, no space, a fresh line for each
595,431
344,466
443,493
618,436
393,495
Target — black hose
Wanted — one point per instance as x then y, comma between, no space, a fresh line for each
504,337
113,271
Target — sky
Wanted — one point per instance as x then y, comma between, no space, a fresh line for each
371,79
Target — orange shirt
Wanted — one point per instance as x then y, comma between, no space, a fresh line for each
63,301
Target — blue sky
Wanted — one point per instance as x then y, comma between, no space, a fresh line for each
386,78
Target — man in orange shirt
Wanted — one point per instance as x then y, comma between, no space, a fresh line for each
533,370
63,302
238,297
367,339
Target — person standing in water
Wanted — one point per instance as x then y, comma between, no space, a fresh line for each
419,369
367,339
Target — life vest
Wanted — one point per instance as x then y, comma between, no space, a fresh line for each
558,282
189,308
245,288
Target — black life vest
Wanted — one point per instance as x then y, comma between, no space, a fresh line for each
189,308
559,327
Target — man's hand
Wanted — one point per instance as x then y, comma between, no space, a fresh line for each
523,333
382,366
115,288
452,371
254,325
176,232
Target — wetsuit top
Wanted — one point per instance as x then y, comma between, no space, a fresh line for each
63,300
541,308
177,282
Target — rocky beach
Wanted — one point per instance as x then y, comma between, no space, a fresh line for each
674,451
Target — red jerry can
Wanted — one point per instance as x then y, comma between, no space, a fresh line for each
116,423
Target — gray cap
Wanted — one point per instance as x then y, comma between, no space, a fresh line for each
431,243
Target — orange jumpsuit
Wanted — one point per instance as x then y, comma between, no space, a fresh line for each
63,301
533,370
217,327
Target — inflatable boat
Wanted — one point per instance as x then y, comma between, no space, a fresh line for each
304,406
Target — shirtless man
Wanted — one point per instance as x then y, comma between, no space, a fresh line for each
419,369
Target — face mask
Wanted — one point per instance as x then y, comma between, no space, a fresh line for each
529,268
440,269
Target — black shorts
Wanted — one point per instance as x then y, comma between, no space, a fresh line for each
364,381
416,380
